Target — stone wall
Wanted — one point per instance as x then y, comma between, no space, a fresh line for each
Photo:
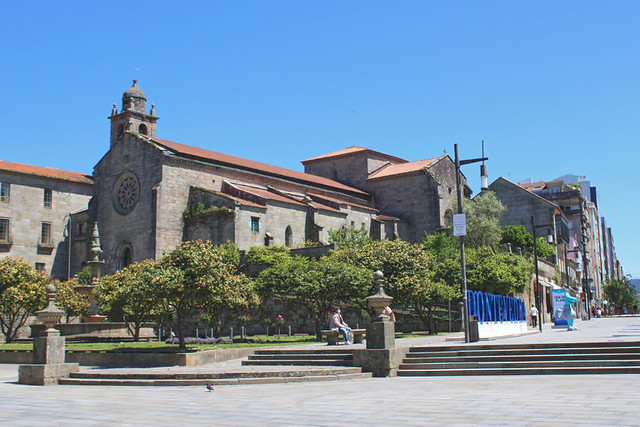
521,205
136,228
352,169
26,212
413,198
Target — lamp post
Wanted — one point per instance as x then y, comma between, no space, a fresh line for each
586,287
535,255
67,234
465,307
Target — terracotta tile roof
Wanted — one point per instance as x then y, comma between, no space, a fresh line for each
402,168
324,207
238,200
225,159
320,197
386,217
352,150
268,195
46,172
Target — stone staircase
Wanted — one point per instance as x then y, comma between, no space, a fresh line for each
523,359
314,365
307,357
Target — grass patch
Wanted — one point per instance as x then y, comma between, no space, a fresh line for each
253,341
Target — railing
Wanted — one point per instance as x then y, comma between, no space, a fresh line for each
496,308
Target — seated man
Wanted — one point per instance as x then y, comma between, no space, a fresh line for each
338,324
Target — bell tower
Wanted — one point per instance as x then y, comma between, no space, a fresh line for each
133,115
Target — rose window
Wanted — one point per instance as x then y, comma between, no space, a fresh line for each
128,193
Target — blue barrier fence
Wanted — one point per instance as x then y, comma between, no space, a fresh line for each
496,308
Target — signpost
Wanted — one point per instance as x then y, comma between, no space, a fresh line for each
459,225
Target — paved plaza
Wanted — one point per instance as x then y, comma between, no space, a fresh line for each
483,400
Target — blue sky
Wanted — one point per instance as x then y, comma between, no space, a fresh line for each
550,86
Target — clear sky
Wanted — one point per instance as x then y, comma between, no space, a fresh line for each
550,86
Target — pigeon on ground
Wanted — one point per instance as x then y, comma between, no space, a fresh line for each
209,386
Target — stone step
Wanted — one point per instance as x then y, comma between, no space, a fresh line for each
304,351
532,364
522,371
214,382
300,356
302,362
632,344
524,358
488,352
211,375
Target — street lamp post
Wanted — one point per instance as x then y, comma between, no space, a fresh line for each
465,307
586,287
535,256
67,232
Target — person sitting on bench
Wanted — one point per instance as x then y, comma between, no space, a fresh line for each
338,323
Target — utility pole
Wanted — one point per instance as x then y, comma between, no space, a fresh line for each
465,306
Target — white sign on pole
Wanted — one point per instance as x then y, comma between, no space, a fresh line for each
459,225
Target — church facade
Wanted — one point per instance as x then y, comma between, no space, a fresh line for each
150,194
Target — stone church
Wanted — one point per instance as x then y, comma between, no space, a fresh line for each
150,194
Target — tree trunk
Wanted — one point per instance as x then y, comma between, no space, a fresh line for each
11,325
180,326
318,329
136,330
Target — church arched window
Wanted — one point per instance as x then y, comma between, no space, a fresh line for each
127,257
124,255
288,237
142,129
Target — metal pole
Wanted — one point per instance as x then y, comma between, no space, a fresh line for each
465,307
566,265
586,287
69,231
539,288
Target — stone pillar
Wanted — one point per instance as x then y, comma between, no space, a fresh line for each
381,330
48,349
95,264
381,358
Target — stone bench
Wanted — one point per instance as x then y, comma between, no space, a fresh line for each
334,336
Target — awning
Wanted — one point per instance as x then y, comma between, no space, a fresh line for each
550,285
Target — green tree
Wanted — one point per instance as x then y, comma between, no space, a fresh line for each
408,273
83,277
501,273
483,214
267,254
73,303
441,245
201,278
231,299
230,253
620,294
134,291
519,237
23,292
314,284
349,237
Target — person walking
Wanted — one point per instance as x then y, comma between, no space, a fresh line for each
534,315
